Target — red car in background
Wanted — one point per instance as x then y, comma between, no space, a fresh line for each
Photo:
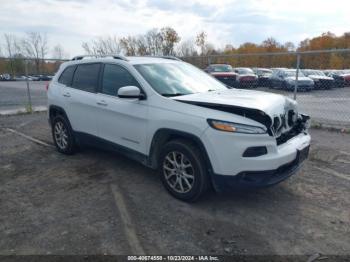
246,78
224,73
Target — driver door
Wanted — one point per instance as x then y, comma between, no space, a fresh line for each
122,121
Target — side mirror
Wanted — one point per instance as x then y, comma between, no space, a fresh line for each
130,92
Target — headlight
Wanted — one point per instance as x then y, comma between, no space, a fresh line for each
235,128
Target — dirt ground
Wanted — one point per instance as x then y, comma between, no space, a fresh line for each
97,202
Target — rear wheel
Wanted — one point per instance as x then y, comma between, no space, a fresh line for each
183,170
63,135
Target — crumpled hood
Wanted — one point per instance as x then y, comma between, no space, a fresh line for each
271,104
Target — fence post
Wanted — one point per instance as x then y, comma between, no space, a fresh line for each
209,60
29,108
297,77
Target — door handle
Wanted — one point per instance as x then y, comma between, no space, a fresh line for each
102,103
66,94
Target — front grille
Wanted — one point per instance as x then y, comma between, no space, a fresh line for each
325,83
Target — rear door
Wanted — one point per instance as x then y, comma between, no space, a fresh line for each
122,121
80,98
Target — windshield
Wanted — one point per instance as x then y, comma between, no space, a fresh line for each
222,68
243,71
172,79
315,73
293,73
264,71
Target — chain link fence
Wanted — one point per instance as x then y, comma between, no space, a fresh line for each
318,80
23,83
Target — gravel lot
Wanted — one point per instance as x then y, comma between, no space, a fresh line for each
96,202
331,107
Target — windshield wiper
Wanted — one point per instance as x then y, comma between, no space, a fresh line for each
176,94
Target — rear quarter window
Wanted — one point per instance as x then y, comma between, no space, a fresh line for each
67,76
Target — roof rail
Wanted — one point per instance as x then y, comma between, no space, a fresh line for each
169,57
80,57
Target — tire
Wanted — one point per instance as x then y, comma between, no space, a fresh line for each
62,135
173,174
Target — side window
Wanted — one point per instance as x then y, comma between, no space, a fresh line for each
115,77
86,77
66,76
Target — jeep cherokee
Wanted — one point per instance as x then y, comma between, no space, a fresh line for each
172,116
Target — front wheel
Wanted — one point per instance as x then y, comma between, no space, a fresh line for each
183,170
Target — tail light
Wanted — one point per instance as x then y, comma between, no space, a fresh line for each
47,86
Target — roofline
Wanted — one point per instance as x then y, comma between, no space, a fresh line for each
121,57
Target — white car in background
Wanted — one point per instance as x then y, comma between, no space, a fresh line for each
172,116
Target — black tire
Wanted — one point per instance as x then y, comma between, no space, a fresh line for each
194,157
69,147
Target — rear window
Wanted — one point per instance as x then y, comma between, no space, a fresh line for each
66,76
86,77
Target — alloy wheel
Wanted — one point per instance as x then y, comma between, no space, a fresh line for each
61,135
178,172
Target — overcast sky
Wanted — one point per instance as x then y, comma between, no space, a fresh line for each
70,22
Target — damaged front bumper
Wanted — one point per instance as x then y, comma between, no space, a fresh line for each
259,179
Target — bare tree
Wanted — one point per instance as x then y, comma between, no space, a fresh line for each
12,49
201,41
103,46
35,46
186,48
129,45
154,42
58,52
170,37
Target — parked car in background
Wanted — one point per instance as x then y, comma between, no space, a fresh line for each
5,77
274,69
41,78
22,78
223,73
321,81
45,78
286,78
34,77
246,78
341,77
264,76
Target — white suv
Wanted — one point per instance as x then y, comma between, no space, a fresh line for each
171,116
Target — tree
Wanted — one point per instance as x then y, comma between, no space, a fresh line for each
35,46
12,47
201,40
186,48
102,46
129,45
154,42
58,52
169,39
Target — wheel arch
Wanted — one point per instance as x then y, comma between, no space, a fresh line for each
56,110
164,135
